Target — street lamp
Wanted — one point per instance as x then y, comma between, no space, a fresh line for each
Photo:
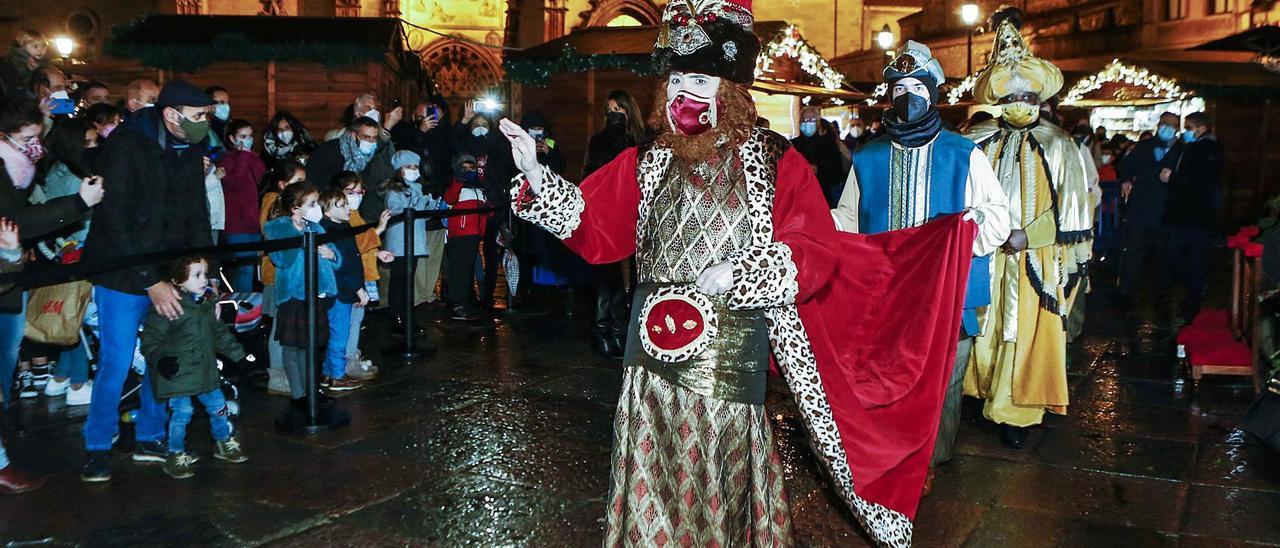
64,46
969,13
885,38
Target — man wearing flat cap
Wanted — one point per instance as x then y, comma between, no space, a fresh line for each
919,171
155,169
1019,361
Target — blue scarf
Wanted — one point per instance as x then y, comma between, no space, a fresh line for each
353,159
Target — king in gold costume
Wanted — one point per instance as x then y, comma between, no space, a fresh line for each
1019,360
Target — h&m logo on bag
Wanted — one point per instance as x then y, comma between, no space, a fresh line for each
52,307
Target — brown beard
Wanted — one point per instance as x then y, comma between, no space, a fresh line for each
736,115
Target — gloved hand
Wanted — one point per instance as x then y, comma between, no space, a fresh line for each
167,367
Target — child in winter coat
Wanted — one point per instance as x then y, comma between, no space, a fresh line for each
368,244
465,233
183,354
298,210
283,175
351,294
404,191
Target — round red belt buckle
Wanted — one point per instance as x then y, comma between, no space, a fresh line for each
676,323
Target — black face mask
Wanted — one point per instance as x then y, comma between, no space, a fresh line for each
910,107
616,119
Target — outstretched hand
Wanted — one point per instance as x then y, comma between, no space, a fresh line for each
524,151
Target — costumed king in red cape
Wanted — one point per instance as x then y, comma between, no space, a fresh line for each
739,263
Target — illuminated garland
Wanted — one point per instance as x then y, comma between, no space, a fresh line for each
877,94
957,92
791,44
1116,71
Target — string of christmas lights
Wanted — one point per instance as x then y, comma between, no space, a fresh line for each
1116,71
791,44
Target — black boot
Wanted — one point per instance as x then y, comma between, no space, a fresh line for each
605,344
1013,437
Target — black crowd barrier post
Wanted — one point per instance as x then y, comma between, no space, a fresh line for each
311,253
411,261
319,417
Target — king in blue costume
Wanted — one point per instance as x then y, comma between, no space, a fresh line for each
917,172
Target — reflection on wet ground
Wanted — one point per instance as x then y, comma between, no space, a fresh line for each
503,440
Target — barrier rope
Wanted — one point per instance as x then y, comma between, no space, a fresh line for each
44,274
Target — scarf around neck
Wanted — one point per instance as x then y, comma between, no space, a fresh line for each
913,134
21,169
353,159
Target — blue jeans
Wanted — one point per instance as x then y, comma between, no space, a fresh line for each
12,326
4,458
74,364
353,341
241,277
119,317
335,354
180,410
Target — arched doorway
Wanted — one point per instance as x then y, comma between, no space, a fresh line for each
461,70
615,13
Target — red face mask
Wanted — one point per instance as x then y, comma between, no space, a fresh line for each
691,115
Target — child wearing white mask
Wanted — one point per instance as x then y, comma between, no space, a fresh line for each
404,191
298,211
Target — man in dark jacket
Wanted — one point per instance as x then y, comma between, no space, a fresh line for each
156,171
1144,195
819,147
20,126
1195,183
426,133
362,150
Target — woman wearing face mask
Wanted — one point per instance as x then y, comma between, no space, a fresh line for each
64,167
623,129
404,191
20,149
285,140
242,169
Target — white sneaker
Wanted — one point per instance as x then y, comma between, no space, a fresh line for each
361,369
80,396
56,387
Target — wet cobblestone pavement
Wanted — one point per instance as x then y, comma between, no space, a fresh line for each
503,440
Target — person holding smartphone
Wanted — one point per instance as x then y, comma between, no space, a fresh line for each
424,133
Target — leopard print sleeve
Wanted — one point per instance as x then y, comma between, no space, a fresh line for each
557,209
763,277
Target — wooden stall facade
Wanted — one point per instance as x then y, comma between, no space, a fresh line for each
315,92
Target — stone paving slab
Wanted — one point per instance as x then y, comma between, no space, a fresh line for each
503,439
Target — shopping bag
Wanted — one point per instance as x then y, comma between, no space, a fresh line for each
55,312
